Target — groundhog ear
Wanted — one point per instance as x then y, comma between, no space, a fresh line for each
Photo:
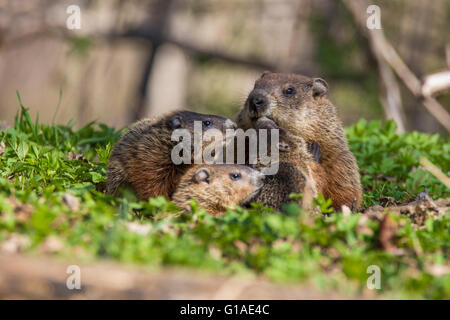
202,175
175,122
320,87
265,73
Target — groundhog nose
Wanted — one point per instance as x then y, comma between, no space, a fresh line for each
257,103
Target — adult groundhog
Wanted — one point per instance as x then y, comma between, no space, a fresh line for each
298,105
141,159
216,187
294,171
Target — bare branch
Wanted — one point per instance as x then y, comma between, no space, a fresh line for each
436,83
149,35
391,96
385,49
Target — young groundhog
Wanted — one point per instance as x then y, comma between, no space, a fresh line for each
294,171
216,187
141,159
298,105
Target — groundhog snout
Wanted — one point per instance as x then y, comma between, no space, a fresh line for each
257,103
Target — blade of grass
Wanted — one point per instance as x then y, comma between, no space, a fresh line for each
58,105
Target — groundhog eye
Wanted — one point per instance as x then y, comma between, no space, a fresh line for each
207,123
289,91
235,176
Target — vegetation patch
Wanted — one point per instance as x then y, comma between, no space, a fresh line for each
52,202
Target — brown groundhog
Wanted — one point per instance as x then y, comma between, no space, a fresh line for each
298,105
216,187
141,159
294,172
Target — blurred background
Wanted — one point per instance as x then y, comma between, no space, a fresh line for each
133,59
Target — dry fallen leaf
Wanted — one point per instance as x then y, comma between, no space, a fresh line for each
387,201
374,213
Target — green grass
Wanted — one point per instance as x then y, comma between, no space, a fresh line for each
40,163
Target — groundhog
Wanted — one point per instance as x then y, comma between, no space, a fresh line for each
141,159
298,104
294,171
218,186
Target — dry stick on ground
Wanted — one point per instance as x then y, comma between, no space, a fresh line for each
383,47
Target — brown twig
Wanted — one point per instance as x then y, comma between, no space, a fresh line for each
149,35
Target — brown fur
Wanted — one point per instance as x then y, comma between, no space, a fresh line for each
294,174
309,114
217,190
141,159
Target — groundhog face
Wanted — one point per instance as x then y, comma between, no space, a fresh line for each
206,124
285,97
227,185
186,120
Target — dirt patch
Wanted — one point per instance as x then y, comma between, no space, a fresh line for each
23,277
